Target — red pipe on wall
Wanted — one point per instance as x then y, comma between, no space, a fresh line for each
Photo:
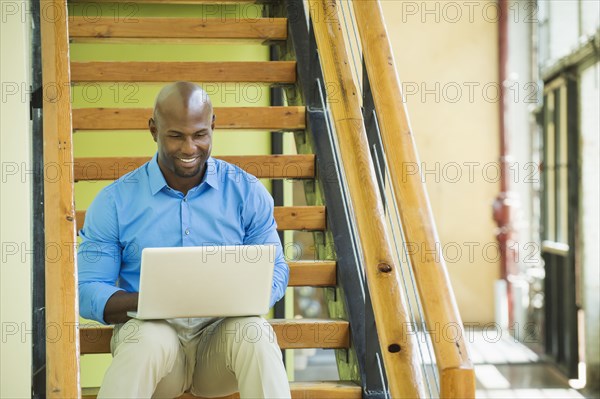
502,207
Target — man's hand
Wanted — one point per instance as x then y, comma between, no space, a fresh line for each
118,305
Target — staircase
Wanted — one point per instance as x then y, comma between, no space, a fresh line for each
350,147
100,122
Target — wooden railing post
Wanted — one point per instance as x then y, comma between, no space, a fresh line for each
398,346
62,332
456,369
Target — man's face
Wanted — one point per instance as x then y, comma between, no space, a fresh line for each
184,141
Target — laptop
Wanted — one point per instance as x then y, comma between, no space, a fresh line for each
208,281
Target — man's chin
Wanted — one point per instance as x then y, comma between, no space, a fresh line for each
188,173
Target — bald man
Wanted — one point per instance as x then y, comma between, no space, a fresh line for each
181,197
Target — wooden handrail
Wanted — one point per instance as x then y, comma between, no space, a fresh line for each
435,291
62,349
399,349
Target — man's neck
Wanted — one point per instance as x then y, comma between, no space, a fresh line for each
182,184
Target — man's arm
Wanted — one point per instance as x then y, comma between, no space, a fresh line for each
261,228
99,264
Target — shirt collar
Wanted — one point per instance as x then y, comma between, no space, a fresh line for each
211,176
157,180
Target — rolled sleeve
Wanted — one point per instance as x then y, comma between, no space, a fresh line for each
261,228
93,298
98,258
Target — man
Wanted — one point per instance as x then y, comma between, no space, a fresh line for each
182,197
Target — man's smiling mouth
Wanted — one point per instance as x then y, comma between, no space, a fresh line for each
188,160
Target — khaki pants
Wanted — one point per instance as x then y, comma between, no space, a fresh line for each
235,354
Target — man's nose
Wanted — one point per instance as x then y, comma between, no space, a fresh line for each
189,147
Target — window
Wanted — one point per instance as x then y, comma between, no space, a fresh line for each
556,161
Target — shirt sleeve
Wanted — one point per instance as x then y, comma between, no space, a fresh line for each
261,228
98,257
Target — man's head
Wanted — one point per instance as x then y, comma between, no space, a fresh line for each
182,125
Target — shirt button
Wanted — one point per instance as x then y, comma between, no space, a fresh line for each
187,232
185,200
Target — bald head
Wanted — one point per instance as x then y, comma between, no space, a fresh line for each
180,99
182,126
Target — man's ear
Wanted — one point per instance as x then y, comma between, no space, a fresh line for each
153,130
212,125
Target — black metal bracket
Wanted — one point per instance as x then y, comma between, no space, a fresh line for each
38,303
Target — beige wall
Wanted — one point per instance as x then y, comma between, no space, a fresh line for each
15,207
448,63
589,214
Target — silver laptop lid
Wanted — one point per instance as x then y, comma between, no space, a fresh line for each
209,281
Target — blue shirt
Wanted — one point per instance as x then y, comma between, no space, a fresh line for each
140,210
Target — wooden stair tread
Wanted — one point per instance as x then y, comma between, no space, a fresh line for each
211,71
271,118
291,334
178,28
287,218
299,390
169,1
261,166
312,273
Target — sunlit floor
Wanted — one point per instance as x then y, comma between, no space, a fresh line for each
504,369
